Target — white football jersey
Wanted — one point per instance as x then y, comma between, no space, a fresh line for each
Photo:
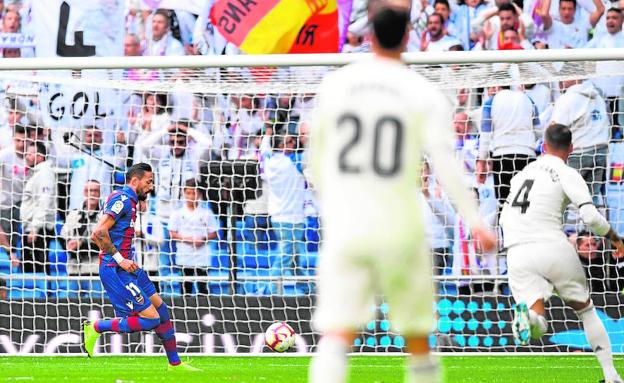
373,122
537,199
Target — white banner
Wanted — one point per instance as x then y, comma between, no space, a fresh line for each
74,107
192,6
78,28
16,40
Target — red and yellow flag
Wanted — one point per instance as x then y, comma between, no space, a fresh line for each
278,26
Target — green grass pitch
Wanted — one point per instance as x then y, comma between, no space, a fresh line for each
387,369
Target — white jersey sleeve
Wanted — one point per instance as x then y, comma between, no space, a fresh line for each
576,189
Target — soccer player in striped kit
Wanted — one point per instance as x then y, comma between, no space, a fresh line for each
137,305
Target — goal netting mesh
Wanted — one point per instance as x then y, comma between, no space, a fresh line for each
233,269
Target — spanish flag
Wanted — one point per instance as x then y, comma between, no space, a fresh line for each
279,26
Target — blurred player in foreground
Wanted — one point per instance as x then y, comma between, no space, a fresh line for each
374,119
132,294
540,258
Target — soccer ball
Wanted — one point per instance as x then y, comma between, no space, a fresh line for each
280,337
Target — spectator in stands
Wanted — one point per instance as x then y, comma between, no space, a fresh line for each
286,186
15,112
13,172
11,22
245,127
513,40
443,8
149,236
510,128
495,21
132,45
38,210
152,117
583,110
173,164
193,226
436,38
132,48
162,42
83,253
592,256
90,163
568,31
11,53
464,13
611,86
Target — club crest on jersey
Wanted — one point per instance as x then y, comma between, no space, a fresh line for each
139,299
117,207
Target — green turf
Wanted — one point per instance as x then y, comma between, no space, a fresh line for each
389,369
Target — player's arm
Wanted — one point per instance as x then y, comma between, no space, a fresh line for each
102,239
576,189
439,146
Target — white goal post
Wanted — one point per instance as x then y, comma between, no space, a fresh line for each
95,116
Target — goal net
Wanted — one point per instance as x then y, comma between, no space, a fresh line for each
223,264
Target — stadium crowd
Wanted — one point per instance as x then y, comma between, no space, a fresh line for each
209,203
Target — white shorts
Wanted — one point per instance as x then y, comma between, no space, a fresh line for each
352,275
536,269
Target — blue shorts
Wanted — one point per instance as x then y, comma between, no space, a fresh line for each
129,293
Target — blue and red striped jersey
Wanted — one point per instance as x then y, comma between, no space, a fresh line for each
121,206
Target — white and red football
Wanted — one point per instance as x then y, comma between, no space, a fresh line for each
280,337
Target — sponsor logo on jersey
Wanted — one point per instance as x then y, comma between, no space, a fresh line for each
130,305
117,207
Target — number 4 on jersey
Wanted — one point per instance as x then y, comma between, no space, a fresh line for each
522,198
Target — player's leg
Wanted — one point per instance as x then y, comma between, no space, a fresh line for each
571,284
132,306
529,289
344,301
405,279
598,338
165,330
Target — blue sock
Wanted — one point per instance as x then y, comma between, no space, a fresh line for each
166,333
127,324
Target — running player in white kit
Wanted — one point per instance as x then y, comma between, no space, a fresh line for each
540,258
374,121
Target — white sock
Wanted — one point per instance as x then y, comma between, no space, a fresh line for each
422,368
329,365
599,341
539,325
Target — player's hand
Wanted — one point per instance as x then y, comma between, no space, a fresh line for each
32,236
14,260
481,171
72,245
619,249
129,266
486,238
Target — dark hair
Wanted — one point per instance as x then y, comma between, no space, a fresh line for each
191,183
176,131
508,7
40,148
558,137
163,12
161,101
138,170
438,15
443,2
570,1
616,10
19,129
390,27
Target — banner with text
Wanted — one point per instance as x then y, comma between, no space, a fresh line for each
76,28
